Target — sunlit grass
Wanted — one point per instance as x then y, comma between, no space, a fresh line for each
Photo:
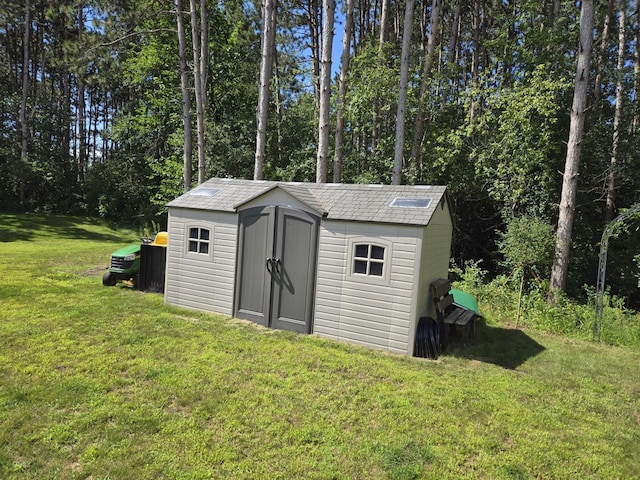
111,383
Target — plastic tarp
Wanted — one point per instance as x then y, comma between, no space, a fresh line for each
464,300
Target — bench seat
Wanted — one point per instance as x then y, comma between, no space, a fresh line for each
448,313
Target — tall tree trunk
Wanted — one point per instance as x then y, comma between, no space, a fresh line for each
475,61
329,8
205,54
314,35
636,76
93,118
617,117
601,56
383,38
398,156
82,141
572,164
104,149
196,26
269,8
416,148
80,103
556,9
205,58
186,98
24,127
342,92
65,108
384,22
279,110
452,47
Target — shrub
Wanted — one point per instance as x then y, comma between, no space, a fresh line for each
498,302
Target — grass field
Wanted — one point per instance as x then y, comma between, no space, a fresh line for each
109,383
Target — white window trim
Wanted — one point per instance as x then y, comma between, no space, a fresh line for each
187,237
384,279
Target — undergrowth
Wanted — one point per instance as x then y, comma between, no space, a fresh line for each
498,300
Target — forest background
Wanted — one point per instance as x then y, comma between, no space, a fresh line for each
100,102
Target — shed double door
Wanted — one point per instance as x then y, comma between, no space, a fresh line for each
276,267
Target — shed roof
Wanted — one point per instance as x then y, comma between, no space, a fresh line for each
403,204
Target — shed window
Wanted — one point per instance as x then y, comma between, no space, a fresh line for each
204,192
411,202
368,259
199,240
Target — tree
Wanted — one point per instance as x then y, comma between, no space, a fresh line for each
329,7
313,14
342,92
636,74
617,118
398,157
186,98
416,148
384,22
601,55
200,42
81,155
269,8
527,244
24,126
572,162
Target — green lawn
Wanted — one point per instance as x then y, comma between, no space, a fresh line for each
101,383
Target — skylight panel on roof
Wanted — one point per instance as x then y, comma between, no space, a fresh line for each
205,192
410,202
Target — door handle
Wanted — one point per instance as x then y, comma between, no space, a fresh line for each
273,264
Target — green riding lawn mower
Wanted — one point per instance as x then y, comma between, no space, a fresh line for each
125,262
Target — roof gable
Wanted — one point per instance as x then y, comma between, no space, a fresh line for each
302,195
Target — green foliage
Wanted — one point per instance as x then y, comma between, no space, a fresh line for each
517,142
232,92
372,88
119,190
293,157
528,242
498,300
470,278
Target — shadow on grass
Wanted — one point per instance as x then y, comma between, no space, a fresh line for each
506,347
25,227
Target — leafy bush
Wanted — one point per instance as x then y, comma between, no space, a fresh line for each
528,243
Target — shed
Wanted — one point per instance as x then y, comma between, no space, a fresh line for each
348,262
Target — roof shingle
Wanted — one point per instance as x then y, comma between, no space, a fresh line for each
364,203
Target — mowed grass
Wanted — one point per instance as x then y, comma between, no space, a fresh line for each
110,383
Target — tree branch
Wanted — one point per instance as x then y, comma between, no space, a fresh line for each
132,34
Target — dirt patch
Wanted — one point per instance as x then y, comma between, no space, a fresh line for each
93,272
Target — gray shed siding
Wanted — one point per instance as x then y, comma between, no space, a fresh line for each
201,282
434,263
368,312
